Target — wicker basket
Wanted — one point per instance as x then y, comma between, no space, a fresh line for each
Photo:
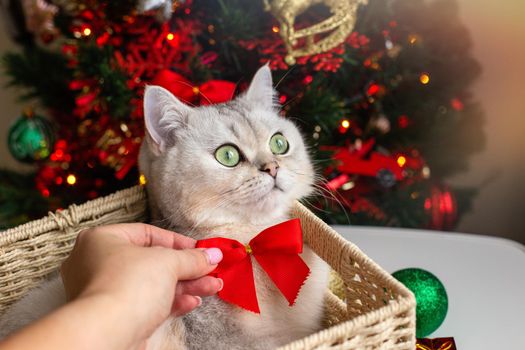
378,312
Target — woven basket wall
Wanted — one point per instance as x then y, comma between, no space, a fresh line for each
376,312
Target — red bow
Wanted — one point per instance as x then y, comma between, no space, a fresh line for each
213,91
276,249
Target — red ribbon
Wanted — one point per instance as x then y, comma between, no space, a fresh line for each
276,250
213,91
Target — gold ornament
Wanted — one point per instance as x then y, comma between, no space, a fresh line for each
337,27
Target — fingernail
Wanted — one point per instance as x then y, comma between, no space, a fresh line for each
214,255
221,284
199,300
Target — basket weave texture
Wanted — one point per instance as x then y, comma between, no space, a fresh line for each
375,312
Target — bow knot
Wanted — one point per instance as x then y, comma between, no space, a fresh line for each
276,249
213,91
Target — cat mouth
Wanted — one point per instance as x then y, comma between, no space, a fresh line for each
276,187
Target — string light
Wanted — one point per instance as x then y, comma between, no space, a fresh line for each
275,29
457,104
424,78
344,126
425,172
372,89
348,186
86,31
403,121
142,180
170,36
412,39
71,179
401,161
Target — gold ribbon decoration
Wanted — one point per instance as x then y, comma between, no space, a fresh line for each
436,344
335,28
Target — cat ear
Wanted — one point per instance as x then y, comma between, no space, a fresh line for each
163,114
261,91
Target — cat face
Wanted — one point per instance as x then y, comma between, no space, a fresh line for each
212,165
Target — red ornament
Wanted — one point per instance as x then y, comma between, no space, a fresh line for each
441,207
276,249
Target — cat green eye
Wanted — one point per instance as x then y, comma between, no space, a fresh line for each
228,155
278,144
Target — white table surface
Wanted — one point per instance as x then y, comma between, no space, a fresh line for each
484,278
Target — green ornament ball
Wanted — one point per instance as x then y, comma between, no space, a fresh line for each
431,298
30,138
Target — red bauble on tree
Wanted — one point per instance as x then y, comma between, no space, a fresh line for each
441,207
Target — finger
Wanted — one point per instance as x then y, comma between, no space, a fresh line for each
191,264
184,304
204,286
151,236
167,239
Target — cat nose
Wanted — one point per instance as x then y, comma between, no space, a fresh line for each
270,168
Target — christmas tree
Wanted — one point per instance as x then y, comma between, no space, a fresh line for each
379,89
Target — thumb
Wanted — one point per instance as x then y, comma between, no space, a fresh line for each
195,263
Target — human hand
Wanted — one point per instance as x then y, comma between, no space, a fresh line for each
147,272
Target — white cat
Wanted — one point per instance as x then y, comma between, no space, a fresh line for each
228,170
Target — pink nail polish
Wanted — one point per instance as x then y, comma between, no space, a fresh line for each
214,255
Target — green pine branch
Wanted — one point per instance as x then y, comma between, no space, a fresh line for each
41,74
19,200
98,63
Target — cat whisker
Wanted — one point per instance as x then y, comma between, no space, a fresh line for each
284,76
189,209
321,190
